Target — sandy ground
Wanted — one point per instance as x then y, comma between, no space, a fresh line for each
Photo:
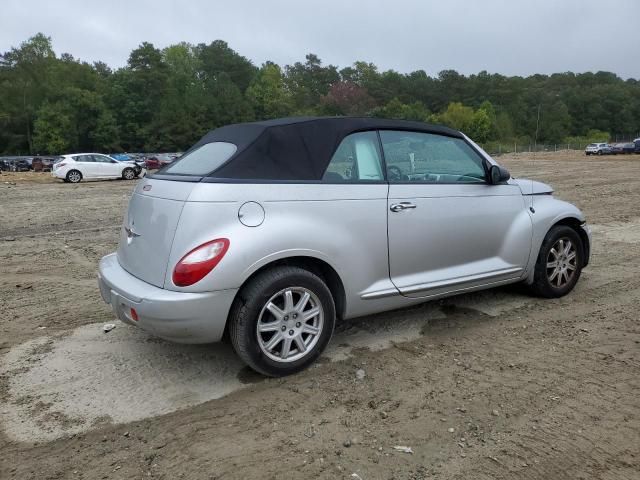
495,384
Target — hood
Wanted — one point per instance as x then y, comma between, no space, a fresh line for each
533,187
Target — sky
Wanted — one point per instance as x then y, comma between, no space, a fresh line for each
511,37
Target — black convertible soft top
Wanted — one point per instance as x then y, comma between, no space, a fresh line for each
296,148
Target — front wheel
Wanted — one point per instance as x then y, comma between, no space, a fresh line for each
128,174
282,320
559,263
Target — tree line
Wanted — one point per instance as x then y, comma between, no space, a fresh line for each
165,99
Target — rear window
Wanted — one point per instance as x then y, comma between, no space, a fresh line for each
201,161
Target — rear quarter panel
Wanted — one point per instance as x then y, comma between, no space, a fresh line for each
343,225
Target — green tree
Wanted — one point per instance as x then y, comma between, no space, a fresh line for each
53,129
308,82
268,95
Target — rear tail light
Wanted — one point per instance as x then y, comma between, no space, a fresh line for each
196,264
58,165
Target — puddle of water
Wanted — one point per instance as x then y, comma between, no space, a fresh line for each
60,386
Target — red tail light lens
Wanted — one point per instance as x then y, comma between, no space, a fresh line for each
196,264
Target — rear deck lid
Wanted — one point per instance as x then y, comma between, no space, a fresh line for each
149,226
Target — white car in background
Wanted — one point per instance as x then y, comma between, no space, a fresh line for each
85,166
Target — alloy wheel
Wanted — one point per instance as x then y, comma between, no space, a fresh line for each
290,324
561,262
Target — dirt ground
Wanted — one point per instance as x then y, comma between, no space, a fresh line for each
494,385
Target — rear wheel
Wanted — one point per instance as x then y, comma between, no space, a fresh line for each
559,263
282,320
74,176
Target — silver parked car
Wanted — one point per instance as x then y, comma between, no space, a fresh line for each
270,232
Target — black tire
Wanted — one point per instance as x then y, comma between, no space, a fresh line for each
253,297
599,152
542,286
128,173
74,176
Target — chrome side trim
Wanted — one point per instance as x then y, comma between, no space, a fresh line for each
387,292
511,272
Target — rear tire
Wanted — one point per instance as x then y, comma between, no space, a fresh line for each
74,176
559,263
268,324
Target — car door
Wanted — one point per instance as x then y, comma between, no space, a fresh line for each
449,230
109,167
87,166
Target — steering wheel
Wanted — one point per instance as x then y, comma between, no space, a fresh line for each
394,172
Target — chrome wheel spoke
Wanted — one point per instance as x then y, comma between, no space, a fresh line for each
302,303
571,255
568,248
275,310
269,327
555,273
288,301
286,348
300,344
277,337
309,314
552,264
310,329
571,267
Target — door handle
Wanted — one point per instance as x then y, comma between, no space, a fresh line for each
398,207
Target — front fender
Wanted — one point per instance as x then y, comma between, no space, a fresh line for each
547,212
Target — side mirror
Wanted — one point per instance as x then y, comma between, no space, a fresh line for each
498,174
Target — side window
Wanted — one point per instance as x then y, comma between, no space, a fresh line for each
430,158
357,159
102,159
84,158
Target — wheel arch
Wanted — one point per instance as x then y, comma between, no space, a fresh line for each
314,265
576,224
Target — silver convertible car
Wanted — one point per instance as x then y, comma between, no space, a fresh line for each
268,233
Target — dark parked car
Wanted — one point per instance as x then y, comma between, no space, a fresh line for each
622,148
20,165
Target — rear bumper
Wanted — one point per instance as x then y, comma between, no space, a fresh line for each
175,316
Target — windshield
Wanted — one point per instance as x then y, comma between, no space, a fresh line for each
201,161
